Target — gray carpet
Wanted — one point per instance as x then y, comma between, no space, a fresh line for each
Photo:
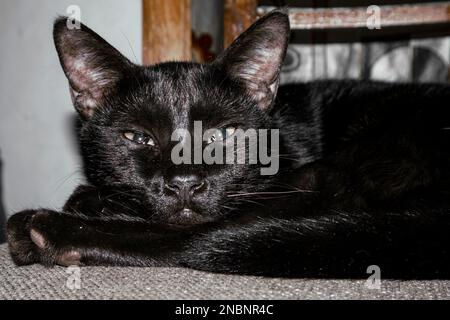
37,282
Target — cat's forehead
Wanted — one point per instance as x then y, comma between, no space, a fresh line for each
183,92
176,82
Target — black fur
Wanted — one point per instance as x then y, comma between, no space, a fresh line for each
364,169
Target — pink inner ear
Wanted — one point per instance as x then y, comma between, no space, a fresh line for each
260,74
263,66
86,77
89,83
255,58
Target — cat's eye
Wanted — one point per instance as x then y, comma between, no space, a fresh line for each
139,137
221,134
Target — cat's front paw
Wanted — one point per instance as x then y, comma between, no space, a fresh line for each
22,249
33,238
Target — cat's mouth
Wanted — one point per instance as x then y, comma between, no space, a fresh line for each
187,216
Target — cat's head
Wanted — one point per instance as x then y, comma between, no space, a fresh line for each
129,114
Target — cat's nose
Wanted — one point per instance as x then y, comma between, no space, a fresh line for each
185,186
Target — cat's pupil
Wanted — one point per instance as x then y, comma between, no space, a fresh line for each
139,137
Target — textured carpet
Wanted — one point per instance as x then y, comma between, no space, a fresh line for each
37,282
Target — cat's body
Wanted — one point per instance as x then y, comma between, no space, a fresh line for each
364,176
373,143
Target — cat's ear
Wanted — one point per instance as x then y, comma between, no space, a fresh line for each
92,66
256,56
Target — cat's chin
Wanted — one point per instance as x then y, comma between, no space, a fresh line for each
187,216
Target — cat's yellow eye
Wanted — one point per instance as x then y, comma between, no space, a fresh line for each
221,134
139,137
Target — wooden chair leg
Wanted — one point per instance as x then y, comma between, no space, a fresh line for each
238,16
166,31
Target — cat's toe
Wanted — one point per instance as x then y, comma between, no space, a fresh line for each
32,239
38,239
22,248
47,233
69,258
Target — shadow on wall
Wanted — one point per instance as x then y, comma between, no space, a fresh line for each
2,210
75,125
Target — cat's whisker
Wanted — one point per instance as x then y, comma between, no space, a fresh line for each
290,187
131,47
227,209
246,200
118,193
268,193
290,159
64,180
120,204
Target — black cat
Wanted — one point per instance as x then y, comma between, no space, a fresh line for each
363,179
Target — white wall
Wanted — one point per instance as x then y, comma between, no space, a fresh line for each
41,165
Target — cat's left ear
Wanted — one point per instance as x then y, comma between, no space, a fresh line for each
255,58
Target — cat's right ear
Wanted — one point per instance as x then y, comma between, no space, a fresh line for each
254,59
93,67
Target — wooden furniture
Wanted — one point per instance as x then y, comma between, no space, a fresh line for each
166,31
238,16
345,21
322,16
390,13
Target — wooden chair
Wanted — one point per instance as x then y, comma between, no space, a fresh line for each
167,24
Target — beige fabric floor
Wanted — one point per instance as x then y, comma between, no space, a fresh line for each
38,282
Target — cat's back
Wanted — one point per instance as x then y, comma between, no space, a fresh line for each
363,94
343,107
386,138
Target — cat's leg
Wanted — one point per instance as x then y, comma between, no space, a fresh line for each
85,204
407,244
50,237
269,246
411,243
331,245
27,245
